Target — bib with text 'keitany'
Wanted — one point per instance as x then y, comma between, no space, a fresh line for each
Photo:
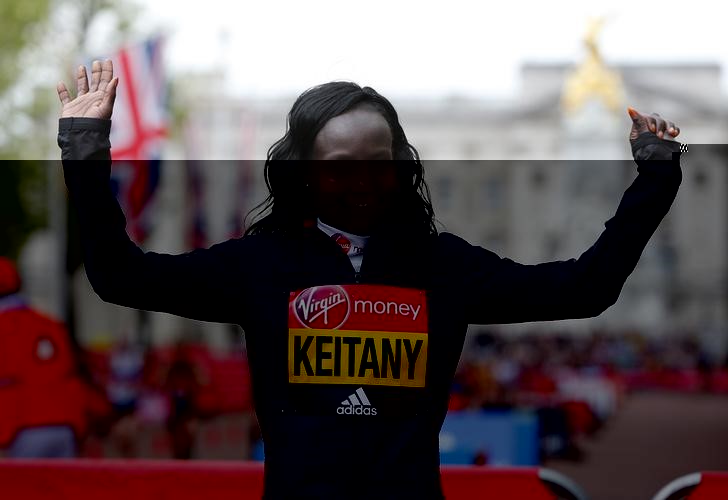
363,335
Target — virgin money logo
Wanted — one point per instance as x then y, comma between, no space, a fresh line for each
322,307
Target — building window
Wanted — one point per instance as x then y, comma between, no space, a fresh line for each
539,178
700,178
444,193
493,193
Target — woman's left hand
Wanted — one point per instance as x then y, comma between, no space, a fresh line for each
650,123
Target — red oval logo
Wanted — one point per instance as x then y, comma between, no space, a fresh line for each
325,307
343,242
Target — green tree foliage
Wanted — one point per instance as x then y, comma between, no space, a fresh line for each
19,217
19,22
31,48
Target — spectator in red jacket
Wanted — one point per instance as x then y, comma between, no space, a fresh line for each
44,401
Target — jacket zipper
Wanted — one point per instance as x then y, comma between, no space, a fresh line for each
341,255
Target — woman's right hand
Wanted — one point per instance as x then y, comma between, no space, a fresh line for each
96,101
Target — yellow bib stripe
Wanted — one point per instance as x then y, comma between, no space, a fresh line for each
357,357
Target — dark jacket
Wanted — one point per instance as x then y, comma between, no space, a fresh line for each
311,452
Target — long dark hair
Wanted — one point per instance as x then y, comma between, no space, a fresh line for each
288,204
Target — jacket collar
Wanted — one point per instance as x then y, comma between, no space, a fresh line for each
393,256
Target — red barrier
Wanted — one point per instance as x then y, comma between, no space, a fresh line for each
175,480
475,483
127,480
713,486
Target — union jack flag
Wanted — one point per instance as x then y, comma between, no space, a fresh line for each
139,127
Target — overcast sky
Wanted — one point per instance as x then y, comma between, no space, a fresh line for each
423,48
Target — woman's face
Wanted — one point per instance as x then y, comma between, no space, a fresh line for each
354,192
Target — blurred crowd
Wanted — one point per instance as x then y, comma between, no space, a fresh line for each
60,400
496,370
575,384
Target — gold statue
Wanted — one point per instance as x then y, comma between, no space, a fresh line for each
592,78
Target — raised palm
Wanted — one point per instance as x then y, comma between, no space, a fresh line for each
94,101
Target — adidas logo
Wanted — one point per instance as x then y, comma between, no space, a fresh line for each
357,404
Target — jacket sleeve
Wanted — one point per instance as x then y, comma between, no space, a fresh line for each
499,290
195,285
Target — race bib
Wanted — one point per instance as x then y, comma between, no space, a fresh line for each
358,334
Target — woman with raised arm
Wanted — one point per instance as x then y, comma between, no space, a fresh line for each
354,307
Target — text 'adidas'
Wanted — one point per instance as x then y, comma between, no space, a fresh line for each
357,404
